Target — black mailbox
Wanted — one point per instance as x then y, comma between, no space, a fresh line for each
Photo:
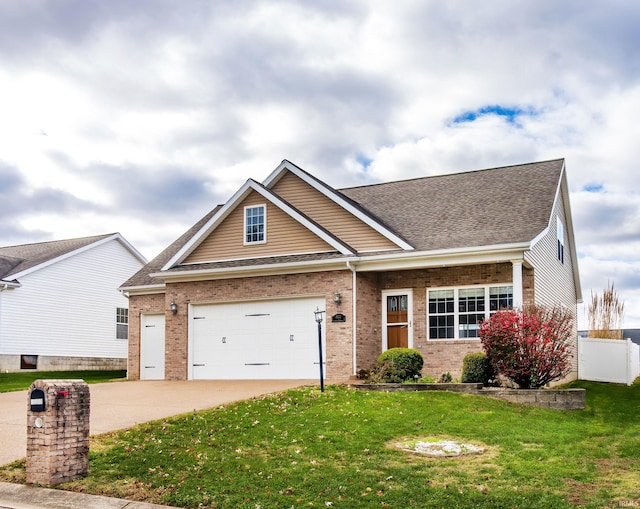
37,400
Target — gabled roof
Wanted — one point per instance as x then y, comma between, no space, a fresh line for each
17,261
225,210
502,209
504,205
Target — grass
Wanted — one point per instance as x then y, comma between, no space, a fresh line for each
23,380
303,448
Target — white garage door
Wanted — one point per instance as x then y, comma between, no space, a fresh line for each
258,340
152,347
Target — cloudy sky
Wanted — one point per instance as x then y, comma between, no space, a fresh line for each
139,117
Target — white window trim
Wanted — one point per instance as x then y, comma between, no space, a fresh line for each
456,312
390,293
118,322
244,225
560,237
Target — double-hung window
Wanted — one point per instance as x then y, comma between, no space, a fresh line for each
122,323
456,313
255,221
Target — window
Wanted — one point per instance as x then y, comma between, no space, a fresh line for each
255,224
122,323
560,234
28,362
456,313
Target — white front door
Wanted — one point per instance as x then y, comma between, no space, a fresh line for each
152,347
267,339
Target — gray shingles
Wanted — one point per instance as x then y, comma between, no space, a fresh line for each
478,208
15,259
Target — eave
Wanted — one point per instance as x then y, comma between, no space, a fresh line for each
374,263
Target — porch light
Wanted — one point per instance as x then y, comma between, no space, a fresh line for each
337,298
318,316
173,307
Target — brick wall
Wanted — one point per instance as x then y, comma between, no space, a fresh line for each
139,304
440,356
339,357
446,356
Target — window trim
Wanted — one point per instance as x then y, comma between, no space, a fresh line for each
456,311
560,236
119,322
391,293
264,227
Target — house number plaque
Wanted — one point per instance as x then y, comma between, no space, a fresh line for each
338,317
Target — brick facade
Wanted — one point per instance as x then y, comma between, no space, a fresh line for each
440,356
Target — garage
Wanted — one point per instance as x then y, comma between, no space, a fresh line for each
255,340
151,347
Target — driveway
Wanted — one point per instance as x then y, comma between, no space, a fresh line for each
119,405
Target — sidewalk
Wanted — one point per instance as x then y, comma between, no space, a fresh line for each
18,496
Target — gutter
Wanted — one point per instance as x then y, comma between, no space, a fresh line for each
354,298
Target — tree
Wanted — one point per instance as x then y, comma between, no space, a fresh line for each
530,347
606,314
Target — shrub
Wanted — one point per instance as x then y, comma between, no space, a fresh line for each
476,368
397,365
446,378
530,347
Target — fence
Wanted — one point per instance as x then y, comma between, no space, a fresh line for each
608,360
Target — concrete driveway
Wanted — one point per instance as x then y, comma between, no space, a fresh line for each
119,405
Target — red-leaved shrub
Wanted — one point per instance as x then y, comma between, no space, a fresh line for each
530,347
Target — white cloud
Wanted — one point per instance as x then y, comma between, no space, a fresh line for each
104,98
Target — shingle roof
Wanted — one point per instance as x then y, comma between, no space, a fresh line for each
142,278
511,204
478,208
16,259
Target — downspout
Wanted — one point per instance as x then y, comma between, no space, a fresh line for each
354,297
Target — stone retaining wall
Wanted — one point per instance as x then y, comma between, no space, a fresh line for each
555,399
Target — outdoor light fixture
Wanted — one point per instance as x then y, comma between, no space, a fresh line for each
318,315
173,307
337,298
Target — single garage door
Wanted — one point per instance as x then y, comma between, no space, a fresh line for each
257,340
151,347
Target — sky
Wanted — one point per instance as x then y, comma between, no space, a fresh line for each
140,117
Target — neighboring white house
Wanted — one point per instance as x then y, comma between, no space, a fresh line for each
60,307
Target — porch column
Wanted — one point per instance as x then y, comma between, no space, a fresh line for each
517,283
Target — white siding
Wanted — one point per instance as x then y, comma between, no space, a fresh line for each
553,280
69,308
554,283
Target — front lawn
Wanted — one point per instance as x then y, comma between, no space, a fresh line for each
23,380
303,448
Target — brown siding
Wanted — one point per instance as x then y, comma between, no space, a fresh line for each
330,215
139,304
284,236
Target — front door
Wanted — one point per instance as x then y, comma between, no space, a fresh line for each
397,319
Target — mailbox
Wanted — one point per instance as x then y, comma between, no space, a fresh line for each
37,400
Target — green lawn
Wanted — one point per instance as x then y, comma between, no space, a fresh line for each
303,448
22,381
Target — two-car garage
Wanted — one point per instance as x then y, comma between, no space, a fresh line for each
263,339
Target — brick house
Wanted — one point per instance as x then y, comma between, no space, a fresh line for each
412,263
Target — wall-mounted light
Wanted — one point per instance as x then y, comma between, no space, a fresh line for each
337,298
174,308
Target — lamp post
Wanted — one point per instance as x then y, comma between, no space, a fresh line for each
318,315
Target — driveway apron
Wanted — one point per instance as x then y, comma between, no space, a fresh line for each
119,405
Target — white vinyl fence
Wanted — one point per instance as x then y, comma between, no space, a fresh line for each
608,360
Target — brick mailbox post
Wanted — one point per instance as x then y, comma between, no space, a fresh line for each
57,431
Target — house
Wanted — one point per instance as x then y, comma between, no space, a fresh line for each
60,308
415,263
